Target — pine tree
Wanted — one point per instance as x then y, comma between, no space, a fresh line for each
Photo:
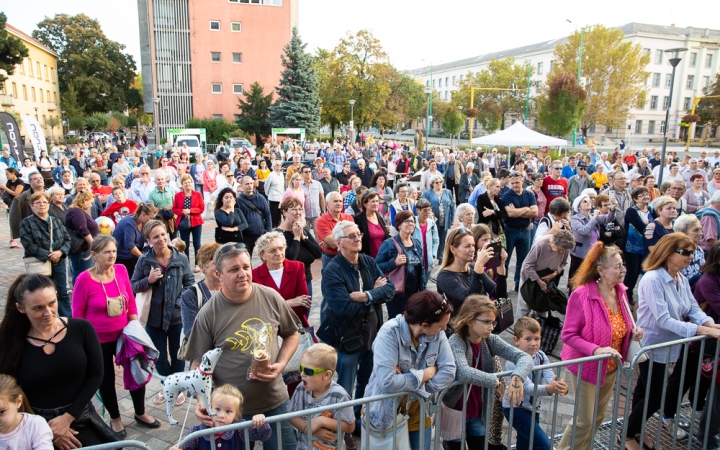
253,117
297,105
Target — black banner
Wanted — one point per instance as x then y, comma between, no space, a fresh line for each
12,130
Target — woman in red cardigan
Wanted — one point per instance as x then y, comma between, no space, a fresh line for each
189,203
287,277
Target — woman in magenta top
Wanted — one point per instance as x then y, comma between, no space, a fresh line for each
371,224
597,323
104,280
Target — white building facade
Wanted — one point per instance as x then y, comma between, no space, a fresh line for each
697,70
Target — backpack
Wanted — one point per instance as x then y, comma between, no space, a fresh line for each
711,211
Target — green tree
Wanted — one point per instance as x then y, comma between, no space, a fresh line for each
614,71
12,50
77,122
253,117
496,106
52,122
406,100
561,104
70,103
298,105
709,108
121,118
135,104
97,67
452,122
216,129
97,121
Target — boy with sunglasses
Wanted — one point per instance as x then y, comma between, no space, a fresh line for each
316,390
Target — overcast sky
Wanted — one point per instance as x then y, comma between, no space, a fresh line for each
411,30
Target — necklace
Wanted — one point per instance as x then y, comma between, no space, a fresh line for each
48,341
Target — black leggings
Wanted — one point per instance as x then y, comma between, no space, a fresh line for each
657,385
691,369
107,387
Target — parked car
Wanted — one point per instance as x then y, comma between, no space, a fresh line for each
72,134
409,131
242,142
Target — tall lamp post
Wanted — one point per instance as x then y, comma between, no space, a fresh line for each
352,122
582,31
527,95
156,111
674,61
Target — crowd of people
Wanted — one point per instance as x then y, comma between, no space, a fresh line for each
385,221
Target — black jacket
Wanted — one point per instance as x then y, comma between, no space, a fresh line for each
362,222
483,201
35,237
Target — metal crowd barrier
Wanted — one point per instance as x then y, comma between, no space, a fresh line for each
700,344
305,414
118,445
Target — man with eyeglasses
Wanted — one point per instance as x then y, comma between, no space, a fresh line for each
314,199
100,191
676,191
521,208
353,289
326,223
229,319
554,185
580,182
143,186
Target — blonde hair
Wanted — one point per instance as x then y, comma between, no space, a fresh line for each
323,355
526,323
453,240
186,177
179,245
664,201
231,392
473,306
81,198
10,391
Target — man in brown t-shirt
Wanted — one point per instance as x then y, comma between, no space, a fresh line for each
229,320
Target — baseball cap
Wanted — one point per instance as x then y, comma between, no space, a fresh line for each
581,164
529,170
635,176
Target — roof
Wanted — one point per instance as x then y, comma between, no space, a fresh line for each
628,29
31,39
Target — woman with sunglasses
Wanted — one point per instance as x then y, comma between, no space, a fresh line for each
667,311
457,280
422,325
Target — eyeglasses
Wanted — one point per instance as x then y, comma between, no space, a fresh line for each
487,323
297,210
409,222
581,168
311,372
557,168
684,252
353,237
227,247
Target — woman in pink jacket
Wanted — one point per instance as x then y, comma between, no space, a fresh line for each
597,322
209,186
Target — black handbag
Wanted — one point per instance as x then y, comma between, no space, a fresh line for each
78,244
506,315
184,224
89,422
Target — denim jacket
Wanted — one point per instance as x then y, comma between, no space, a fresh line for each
388,252
431,238
393,347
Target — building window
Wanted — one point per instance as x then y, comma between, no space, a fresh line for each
24,92
439,82
690,81
39,73
651,127
237,58
656,80
427,83
47,78
540,68
668,80
272,2
30,69
447,81
658,56
218,116
461,77
693,59
236,27
217,88
55,97
686,103
14,90
666,100
653,102
237,88
434,84
550,67
42,96
454,83
34,98
52,75
706,82
215,56
646,51
237,117
215,25
647,81
48,97
662,126
22,67
638,126
708,60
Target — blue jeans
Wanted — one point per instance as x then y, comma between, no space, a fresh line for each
633,262
533,231
59,277
522,419
354,371
289,438
309,284
79,265
415,439
474,427
162,340
442,234
517,240
196,237
326,258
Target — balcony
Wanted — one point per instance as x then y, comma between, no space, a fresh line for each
51,106
7,100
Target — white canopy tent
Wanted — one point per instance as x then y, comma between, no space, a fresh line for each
518,135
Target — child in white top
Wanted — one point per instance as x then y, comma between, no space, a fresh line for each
19,430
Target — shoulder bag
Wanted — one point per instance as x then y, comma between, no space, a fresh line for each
34,265
182,351
451,419
307,339
397,275
384,439
634,347
115,305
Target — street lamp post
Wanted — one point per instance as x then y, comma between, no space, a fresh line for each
156,111
582,31
527,96
460,108
352,122
674,61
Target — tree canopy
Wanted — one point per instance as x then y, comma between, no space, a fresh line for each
495,106
297,105
561,103
253,117
614,71
709,108
96,66
12,50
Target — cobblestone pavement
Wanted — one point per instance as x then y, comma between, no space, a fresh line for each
161,438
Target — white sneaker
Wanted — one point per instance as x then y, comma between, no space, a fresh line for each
669,425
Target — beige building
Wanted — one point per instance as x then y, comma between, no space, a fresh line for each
33,89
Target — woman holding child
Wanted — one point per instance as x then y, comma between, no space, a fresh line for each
597,322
